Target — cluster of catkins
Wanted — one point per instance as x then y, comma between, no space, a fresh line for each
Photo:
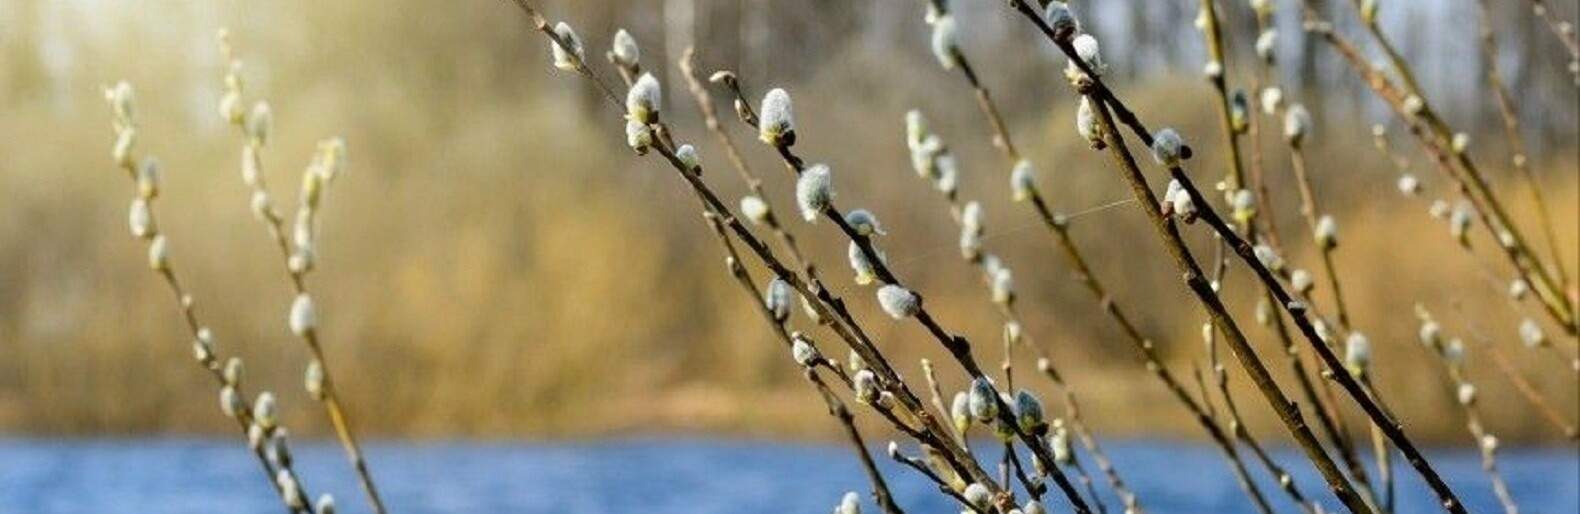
264,432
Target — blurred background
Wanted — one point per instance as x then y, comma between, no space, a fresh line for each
496,264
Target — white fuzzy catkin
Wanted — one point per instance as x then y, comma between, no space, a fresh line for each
638,135
1003,286
1297,124
1460,143
1213,70
1358,353
1267,45
814,191
947,180
1268,257
1430,334
1022,181
251,166
1414,105
1531,333
1409,185
158,254
1062,21
915,129
945,46
1179,201
1466,393
979,496
1454,352
203,345
1243,203
264,411
1459,222
960,412
850,504
1327,232
777,123
1518,288
140,219
304,316
125,141
1029,412
643,100
1301,281
864,223
1059,441
1087,49
1272,100
898,302
1086,123
625,50
866,271
148,174
121,99
1032,507
567,59
803,352
1167,147
230,401
755,209
325,505
971,231
865,385
313,379
232,372
777,298
687,155
1239,111
260,122
290,489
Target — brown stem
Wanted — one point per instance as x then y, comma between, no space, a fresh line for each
880,489
1197,283
1297,312
244,418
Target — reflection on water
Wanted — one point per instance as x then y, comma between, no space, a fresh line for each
647,477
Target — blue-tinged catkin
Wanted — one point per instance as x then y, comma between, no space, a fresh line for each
864,222
777,298
898,302
983,400
1167,147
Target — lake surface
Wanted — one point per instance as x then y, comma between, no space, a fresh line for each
651,476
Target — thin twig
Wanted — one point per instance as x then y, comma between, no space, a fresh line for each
1197,283
202,336
297,263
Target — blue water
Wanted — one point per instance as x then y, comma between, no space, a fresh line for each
650,476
